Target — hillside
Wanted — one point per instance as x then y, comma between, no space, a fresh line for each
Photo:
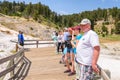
30,27
9,27
43,14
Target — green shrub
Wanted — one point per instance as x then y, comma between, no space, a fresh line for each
104,31
117,27
106,23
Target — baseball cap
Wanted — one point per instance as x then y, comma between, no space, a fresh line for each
85,21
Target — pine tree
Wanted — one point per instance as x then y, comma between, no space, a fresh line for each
117,28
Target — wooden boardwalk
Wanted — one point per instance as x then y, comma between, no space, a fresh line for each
45,65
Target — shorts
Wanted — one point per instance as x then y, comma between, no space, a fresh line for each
65,50
22,44
69,50
86,72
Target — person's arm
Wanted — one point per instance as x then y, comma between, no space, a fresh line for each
18,38
73,38
77,41
73,43
22,38
94,40
96,52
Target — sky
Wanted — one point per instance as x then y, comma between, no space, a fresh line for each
74,6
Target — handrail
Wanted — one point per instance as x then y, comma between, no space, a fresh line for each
14,69
19,59
35,42
11,57
103,74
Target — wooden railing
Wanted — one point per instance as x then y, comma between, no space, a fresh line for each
18,66
37,42
103,75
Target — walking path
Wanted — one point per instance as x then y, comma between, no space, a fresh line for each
45,65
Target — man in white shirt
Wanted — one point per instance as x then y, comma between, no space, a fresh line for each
88,50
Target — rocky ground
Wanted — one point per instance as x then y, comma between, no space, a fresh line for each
109,62
111,48
29,27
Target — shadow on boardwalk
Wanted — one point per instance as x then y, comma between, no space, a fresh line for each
23,71
45,65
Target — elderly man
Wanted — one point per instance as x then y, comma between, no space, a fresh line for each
88,50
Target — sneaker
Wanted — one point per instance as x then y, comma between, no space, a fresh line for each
61,52
71,73
67,71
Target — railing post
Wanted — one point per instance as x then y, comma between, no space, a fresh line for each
11,64
37,43
16,47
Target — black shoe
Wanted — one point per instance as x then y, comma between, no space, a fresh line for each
71,73
65,65
67,71
70,63
60,62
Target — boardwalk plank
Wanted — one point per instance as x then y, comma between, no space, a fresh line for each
45,65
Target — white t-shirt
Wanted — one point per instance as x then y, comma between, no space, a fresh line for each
85,47
66,34
60,38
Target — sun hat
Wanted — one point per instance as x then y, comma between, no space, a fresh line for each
70,29
77,28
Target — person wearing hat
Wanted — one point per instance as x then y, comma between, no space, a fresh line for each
76,37
88,50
